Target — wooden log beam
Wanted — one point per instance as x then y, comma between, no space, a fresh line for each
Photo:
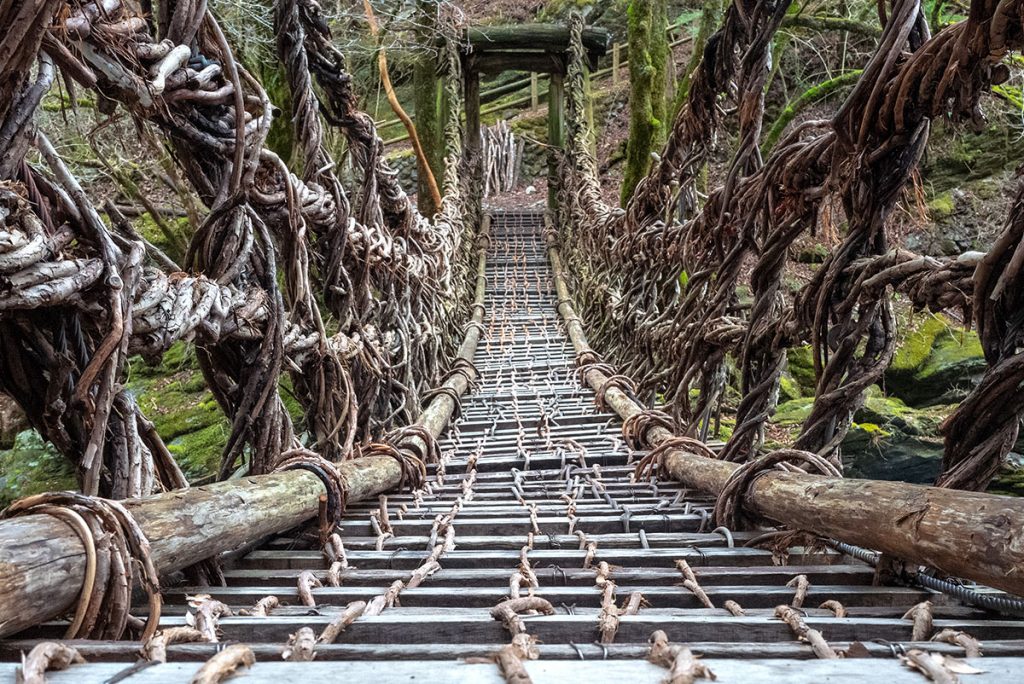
971,535
42,559
534,37
532,61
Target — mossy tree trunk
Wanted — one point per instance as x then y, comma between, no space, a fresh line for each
428,103
710,15
648,55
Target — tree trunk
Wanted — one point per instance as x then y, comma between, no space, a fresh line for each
427,106
648,55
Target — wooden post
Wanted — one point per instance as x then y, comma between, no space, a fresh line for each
534,91
474,142
556,136
615,64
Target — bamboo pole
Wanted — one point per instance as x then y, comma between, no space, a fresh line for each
42,559
971,535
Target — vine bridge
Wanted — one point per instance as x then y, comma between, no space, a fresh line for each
472,491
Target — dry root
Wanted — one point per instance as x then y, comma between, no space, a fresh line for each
508,612
423,572
338,625
802,584
306,582
733,608
262,607
683,666
510,658
804,633
301,646
971,646
208,612
223,664
386,600
604,573
634,603
836,607
156,648
588,559
690,582
608,620
921,614
938,668
45,656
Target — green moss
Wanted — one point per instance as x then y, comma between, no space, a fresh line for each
1009,481
174,395
198,453
813,254
800,363
725,427
936,364
895,415
793,412
788,388
917,345
941,206
169,237
32,466
970,156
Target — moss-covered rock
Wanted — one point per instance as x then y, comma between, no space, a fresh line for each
893,414
870,453
788,388
941,206
173,394
813,254
935,364
1010,479
800,364
32,466
793,412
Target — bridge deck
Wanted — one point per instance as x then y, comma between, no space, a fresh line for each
537,442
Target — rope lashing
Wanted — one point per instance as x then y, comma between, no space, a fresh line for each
654,460
587,357
600,366
729,505
114,543
636,427
465,368
325,470
418,440
623,383
447,391
413,447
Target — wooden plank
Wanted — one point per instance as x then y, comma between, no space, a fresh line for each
840,671
748,596
106,651
421,626
738,575
566,558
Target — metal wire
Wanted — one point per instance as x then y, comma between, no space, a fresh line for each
1002,603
